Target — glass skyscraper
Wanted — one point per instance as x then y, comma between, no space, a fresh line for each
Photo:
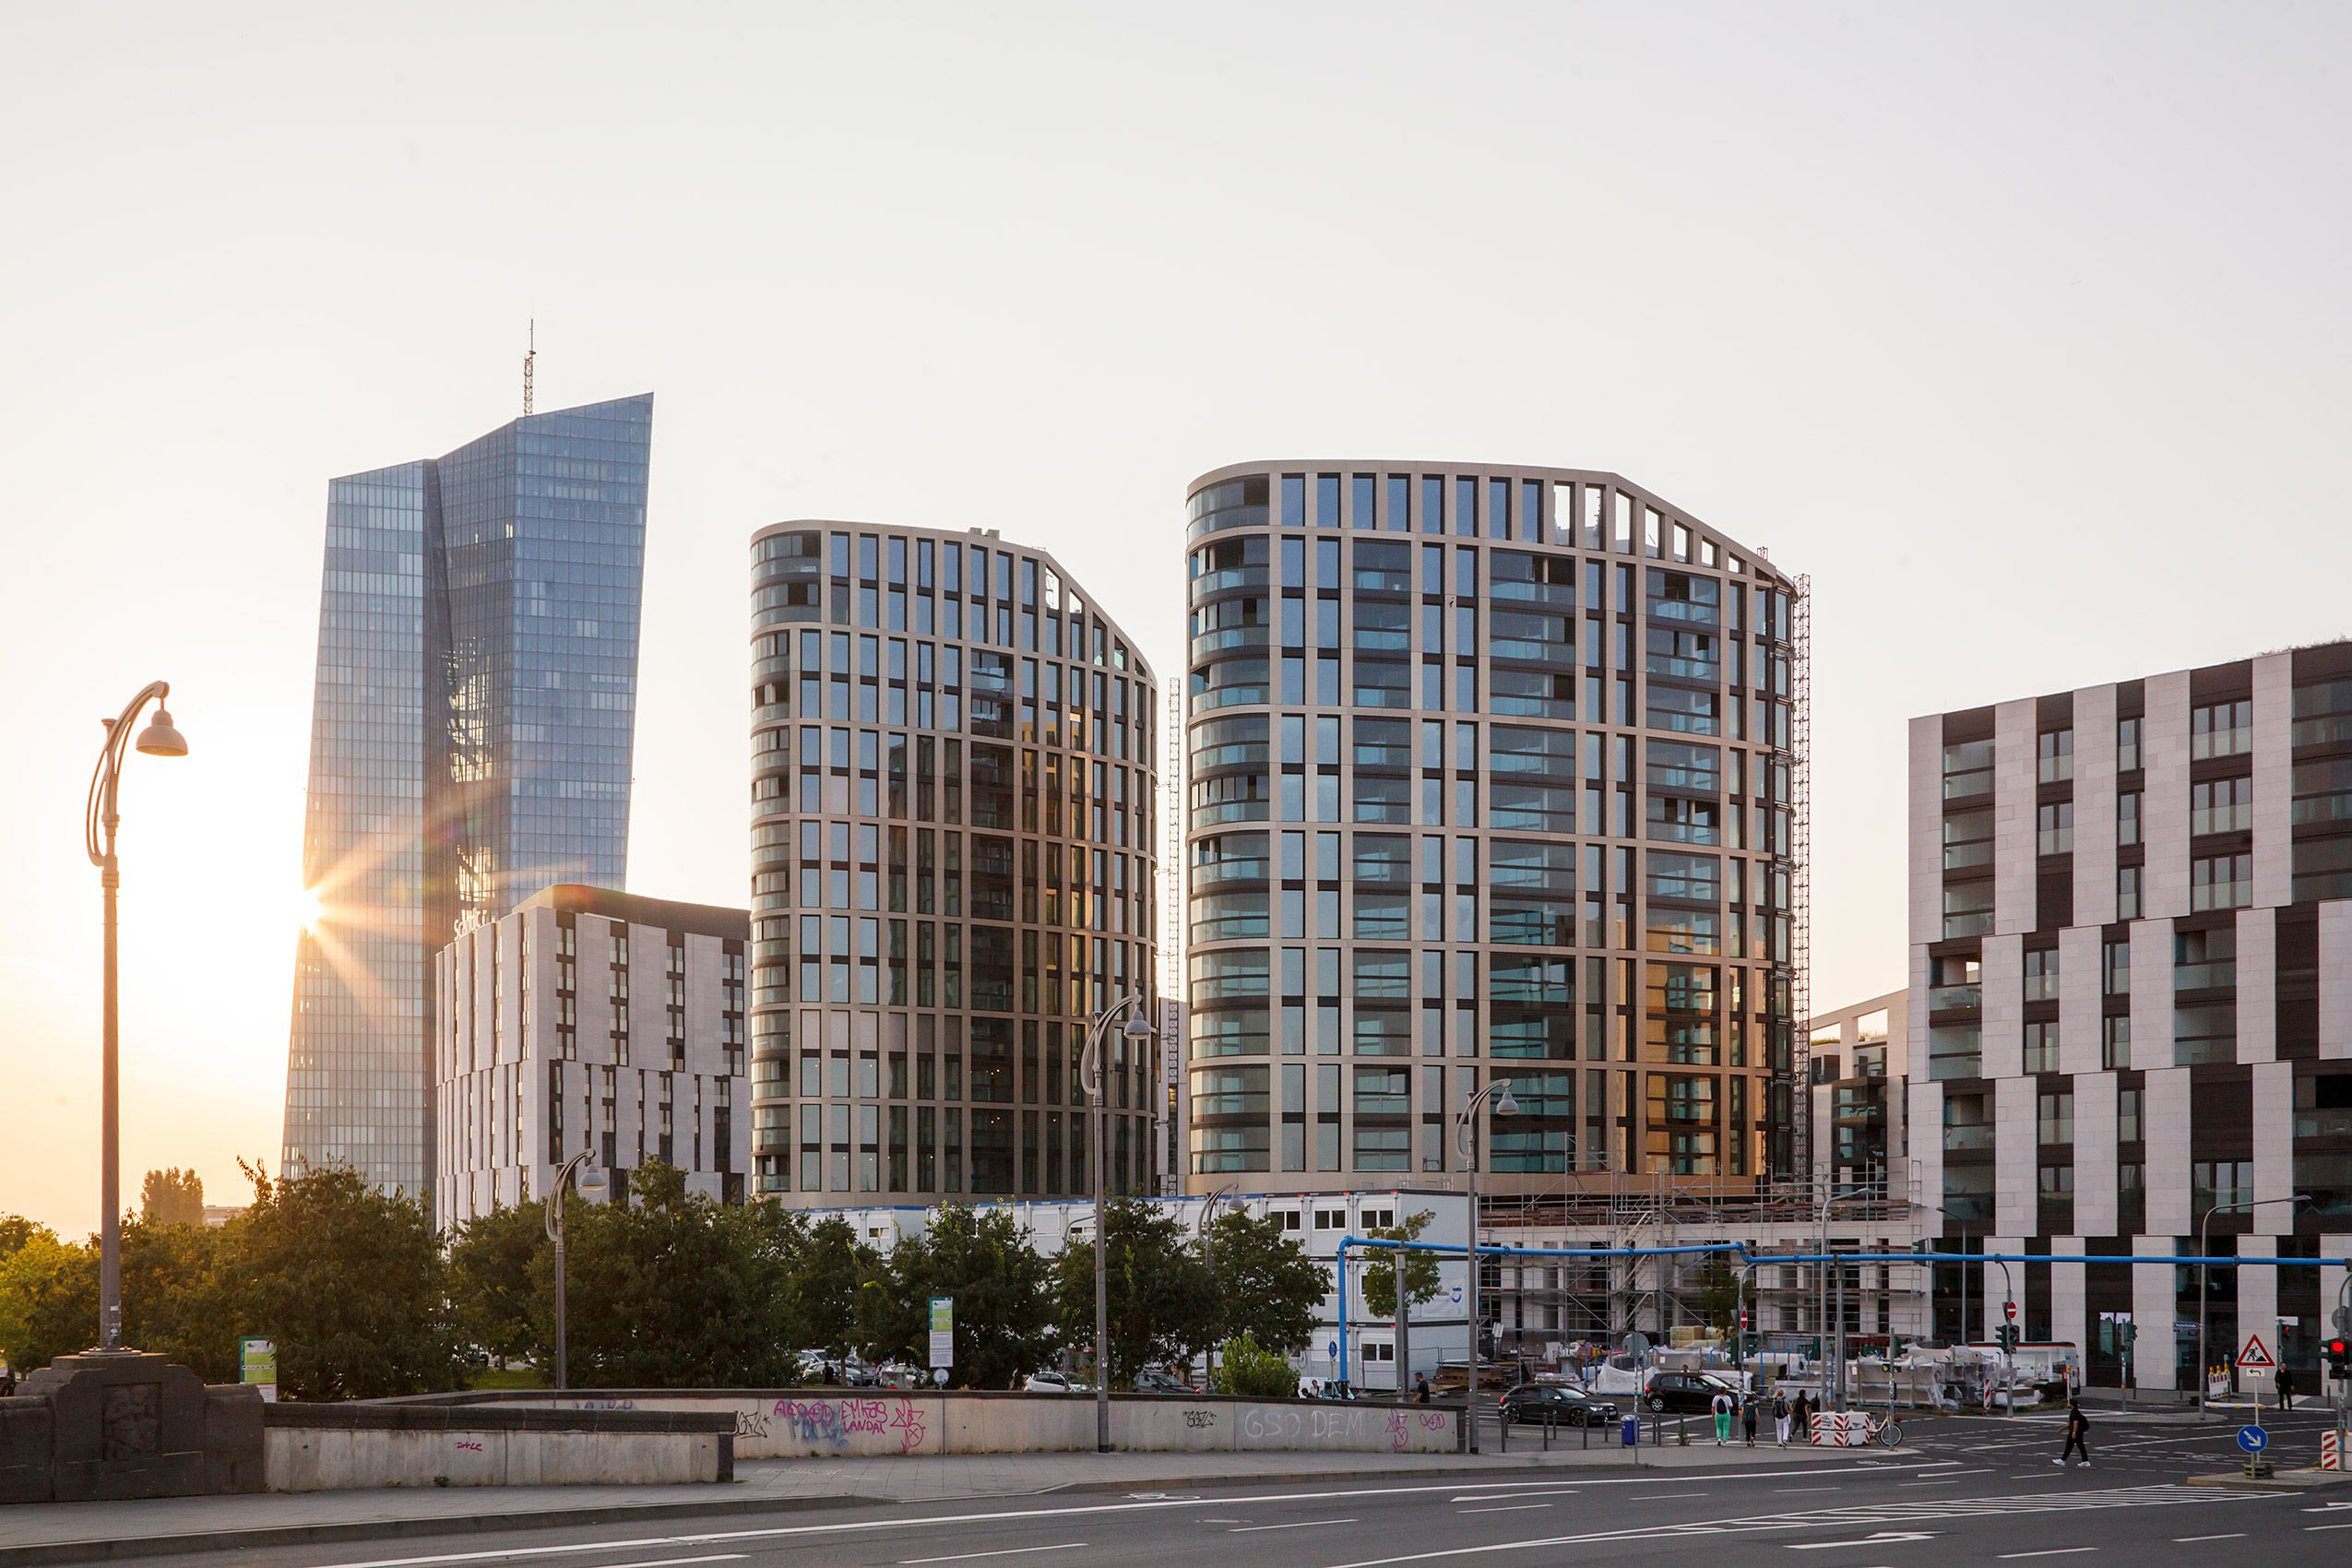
471,727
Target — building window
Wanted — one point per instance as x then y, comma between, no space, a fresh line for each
2224,805
2221,881
2054,1119
1967,908
2041,1046
1968,770
2054,828
2127,745
2127,1116
2222,729
2115,1042
2127,893
2041,974
2127,819
1967,838
2054,755
2218,1184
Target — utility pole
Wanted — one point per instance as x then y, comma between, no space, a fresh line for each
1404,1328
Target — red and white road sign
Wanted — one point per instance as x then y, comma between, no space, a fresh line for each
2255,1354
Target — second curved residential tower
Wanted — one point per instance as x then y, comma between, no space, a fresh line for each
1490,777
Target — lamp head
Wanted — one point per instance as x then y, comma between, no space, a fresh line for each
158,739
1503,1104
1136,1028
592,1177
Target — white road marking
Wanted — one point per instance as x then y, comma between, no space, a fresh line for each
1893,1512
1881,1538
2328,1526
780,1532
2048,1551
1001,1551
1941,1481
1662,1496
2183,1540
1505,1508
1295,1525
672,1561
1504,1496
1793,1490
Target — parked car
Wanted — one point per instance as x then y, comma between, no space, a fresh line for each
1055,1382
1154,1379
1685,1393
1556,1402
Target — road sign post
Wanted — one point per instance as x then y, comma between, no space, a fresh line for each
942,1332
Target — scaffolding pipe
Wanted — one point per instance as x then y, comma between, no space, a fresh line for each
1767,1258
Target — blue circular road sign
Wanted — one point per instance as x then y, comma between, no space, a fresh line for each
2253,1440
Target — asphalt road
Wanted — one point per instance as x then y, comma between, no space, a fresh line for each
1978,1491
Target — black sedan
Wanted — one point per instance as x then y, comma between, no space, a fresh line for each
1537,1403
1688,1392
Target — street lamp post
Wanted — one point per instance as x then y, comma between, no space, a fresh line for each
1209,1262
591,1181
1837,1365
1465,1137
1138,1032
99,819
2204,1246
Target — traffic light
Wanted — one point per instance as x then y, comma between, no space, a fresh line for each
2339,1358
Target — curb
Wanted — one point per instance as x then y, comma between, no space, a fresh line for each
2284,1481
395,1529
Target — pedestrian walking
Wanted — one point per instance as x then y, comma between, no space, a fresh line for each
1780,1418
1801,1415
1721,1405
2285,1389
1748,1419
1420,1388
2078,1433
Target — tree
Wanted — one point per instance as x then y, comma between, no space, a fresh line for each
1162,1305
1003,1309
349,1281
826,1279
664,1293
1265,1287
1248,1369
16,1230
492,1288
177,1296
1718,1289
48,1299
172,1198
1421,1282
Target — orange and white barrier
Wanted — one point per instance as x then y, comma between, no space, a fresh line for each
2331,1456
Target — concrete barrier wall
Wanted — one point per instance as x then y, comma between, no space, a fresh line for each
801,1423
333,1459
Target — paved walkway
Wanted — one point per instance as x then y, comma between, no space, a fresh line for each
95,1531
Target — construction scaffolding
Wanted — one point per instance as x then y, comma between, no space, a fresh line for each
1801,878
1669,1299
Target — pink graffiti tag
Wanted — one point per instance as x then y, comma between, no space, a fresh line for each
1399,1438
473,1447
1431,1419
908,1420
862,1415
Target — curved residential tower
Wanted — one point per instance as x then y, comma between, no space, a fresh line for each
952,868
1489,778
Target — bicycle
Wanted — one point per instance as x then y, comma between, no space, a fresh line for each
1887,1434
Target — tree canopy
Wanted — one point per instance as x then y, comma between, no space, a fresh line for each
172,1198
1421,1282
1262,1284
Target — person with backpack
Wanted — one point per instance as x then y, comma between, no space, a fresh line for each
1748,1419
1781,1417
2078,1433
1721,1405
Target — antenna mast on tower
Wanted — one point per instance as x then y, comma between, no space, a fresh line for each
530,354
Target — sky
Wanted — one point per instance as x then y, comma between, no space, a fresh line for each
2021,329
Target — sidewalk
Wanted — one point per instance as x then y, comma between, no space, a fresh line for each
88,1532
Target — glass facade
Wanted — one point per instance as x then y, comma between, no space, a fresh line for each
472,723
952,868
1488,777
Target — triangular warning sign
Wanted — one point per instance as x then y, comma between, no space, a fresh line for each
2255,1354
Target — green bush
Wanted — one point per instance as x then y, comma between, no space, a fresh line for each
1247,1368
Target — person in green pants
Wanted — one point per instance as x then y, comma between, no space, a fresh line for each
1722,1419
